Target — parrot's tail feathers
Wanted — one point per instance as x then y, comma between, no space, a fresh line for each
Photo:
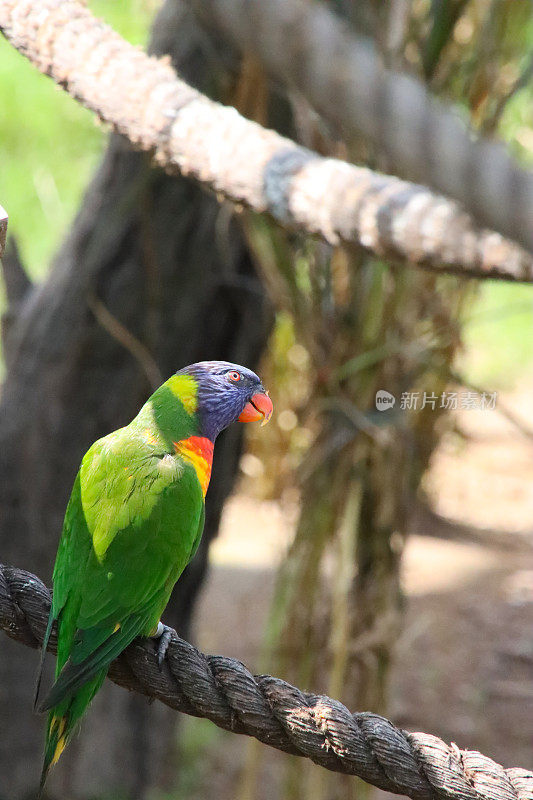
57,736
74,675
41,661
63,722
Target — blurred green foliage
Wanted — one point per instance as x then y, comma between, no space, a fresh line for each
498,336
50,144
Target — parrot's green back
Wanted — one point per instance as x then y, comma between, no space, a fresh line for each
133,522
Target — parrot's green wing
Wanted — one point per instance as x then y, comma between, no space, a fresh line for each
133,522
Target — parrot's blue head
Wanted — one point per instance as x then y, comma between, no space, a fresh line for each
226,393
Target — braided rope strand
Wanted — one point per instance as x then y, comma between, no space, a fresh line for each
224,691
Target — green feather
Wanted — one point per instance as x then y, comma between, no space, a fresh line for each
100,647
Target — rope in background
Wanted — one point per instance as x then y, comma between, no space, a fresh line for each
143,98
280,715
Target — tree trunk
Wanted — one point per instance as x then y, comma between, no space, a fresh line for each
168,263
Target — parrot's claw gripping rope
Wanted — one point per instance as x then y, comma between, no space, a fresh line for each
164,634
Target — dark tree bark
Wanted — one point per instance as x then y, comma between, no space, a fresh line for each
170,264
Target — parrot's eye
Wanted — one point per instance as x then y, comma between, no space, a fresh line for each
234,376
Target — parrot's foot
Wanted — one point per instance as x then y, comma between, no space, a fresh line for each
164,634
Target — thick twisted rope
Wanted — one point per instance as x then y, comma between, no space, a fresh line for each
280,715
145,100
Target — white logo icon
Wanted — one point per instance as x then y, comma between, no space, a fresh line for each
384,400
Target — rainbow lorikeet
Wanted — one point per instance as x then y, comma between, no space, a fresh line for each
133,522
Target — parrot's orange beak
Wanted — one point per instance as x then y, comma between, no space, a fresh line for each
259,407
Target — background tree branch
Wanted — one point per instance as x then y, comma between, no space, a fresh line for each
142,98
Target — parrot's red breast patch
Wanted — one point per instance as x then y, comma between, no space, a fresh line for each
199,451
